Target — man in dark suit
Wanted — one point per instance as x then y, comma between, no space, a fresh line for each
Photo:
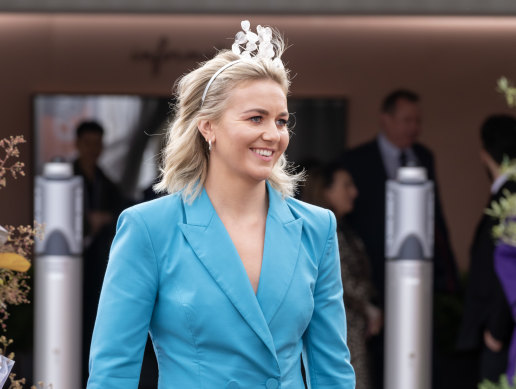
487,322
371,165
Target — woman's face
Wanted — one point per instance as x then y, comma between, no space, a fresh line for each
342,193
252,132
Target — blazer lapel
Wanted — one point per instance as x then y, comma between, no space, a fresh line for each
212,244
280,253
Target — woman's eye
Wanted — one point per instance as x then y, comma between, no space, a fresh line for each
281,122
256,119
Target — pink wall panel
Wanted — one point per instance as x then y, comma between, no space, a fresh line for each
452,62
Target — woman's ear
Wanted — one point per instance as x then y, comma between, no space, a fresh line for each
206,130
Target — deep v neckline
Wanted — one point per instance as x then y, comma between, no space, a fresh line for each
238,254
210,241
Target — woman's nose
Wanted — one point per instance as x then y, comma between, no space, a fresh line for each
270,131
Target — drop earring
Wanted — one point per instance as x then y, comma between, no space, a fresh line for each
209,145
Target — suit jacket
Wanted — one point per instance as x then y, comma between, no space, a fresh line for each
368,217
174,270
486,306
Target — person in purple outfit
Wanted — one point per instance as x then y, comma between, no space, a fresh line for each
505,265
487,322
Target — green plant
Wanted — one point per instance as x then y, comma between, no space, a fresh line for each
504,211
504,86
503,383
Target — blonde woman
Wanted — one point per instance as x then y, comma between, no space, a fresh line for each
233,278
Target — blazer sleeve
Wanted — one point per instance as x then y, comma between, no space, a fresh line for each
125,307
326,354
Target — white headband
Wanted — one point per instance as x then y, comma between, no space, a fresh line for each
215,76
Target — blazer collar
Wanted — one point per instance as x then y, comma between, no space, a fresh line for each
212,244
280,253
201,211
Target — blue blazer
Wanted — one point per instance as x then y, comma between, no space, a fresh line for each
174,271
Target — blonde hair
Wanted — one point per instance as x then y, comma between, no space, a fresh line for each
186,154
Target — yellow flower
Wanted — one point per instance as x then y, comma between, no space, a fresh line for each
14,262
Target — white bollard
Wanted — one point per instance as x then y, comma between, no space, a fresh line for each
58,204
409,280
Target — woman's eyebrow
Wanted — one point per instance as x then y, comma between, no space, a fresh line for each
259,110
263,112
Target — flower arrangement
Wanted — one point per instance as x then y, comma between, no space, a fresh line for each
504,211
15,250
503,384
509,91
10,148
504,231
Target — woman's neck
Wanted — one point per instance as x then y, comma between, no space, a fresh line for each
237,198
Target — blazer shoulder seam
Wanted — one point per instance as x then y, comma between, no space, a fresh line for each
149,238
328,238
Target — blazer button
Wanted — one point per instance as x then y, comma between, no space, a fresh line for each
272,383
232,385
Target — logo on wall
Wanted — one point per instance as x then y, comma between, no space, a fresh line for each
162,53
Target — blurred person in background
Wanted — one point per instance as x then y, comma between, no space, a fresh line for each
332,187
102,199
487,322
102,205
371,165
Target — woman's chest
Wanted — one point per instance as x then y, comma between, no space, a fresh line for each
248,242
214,295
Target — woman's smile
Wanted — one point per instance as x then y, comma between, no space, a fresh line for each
265,154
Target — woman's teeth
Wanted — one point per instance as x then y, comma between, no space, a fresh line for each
265,153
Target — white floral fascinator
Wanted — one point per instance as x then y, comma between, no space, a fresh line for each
257,45
249,45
